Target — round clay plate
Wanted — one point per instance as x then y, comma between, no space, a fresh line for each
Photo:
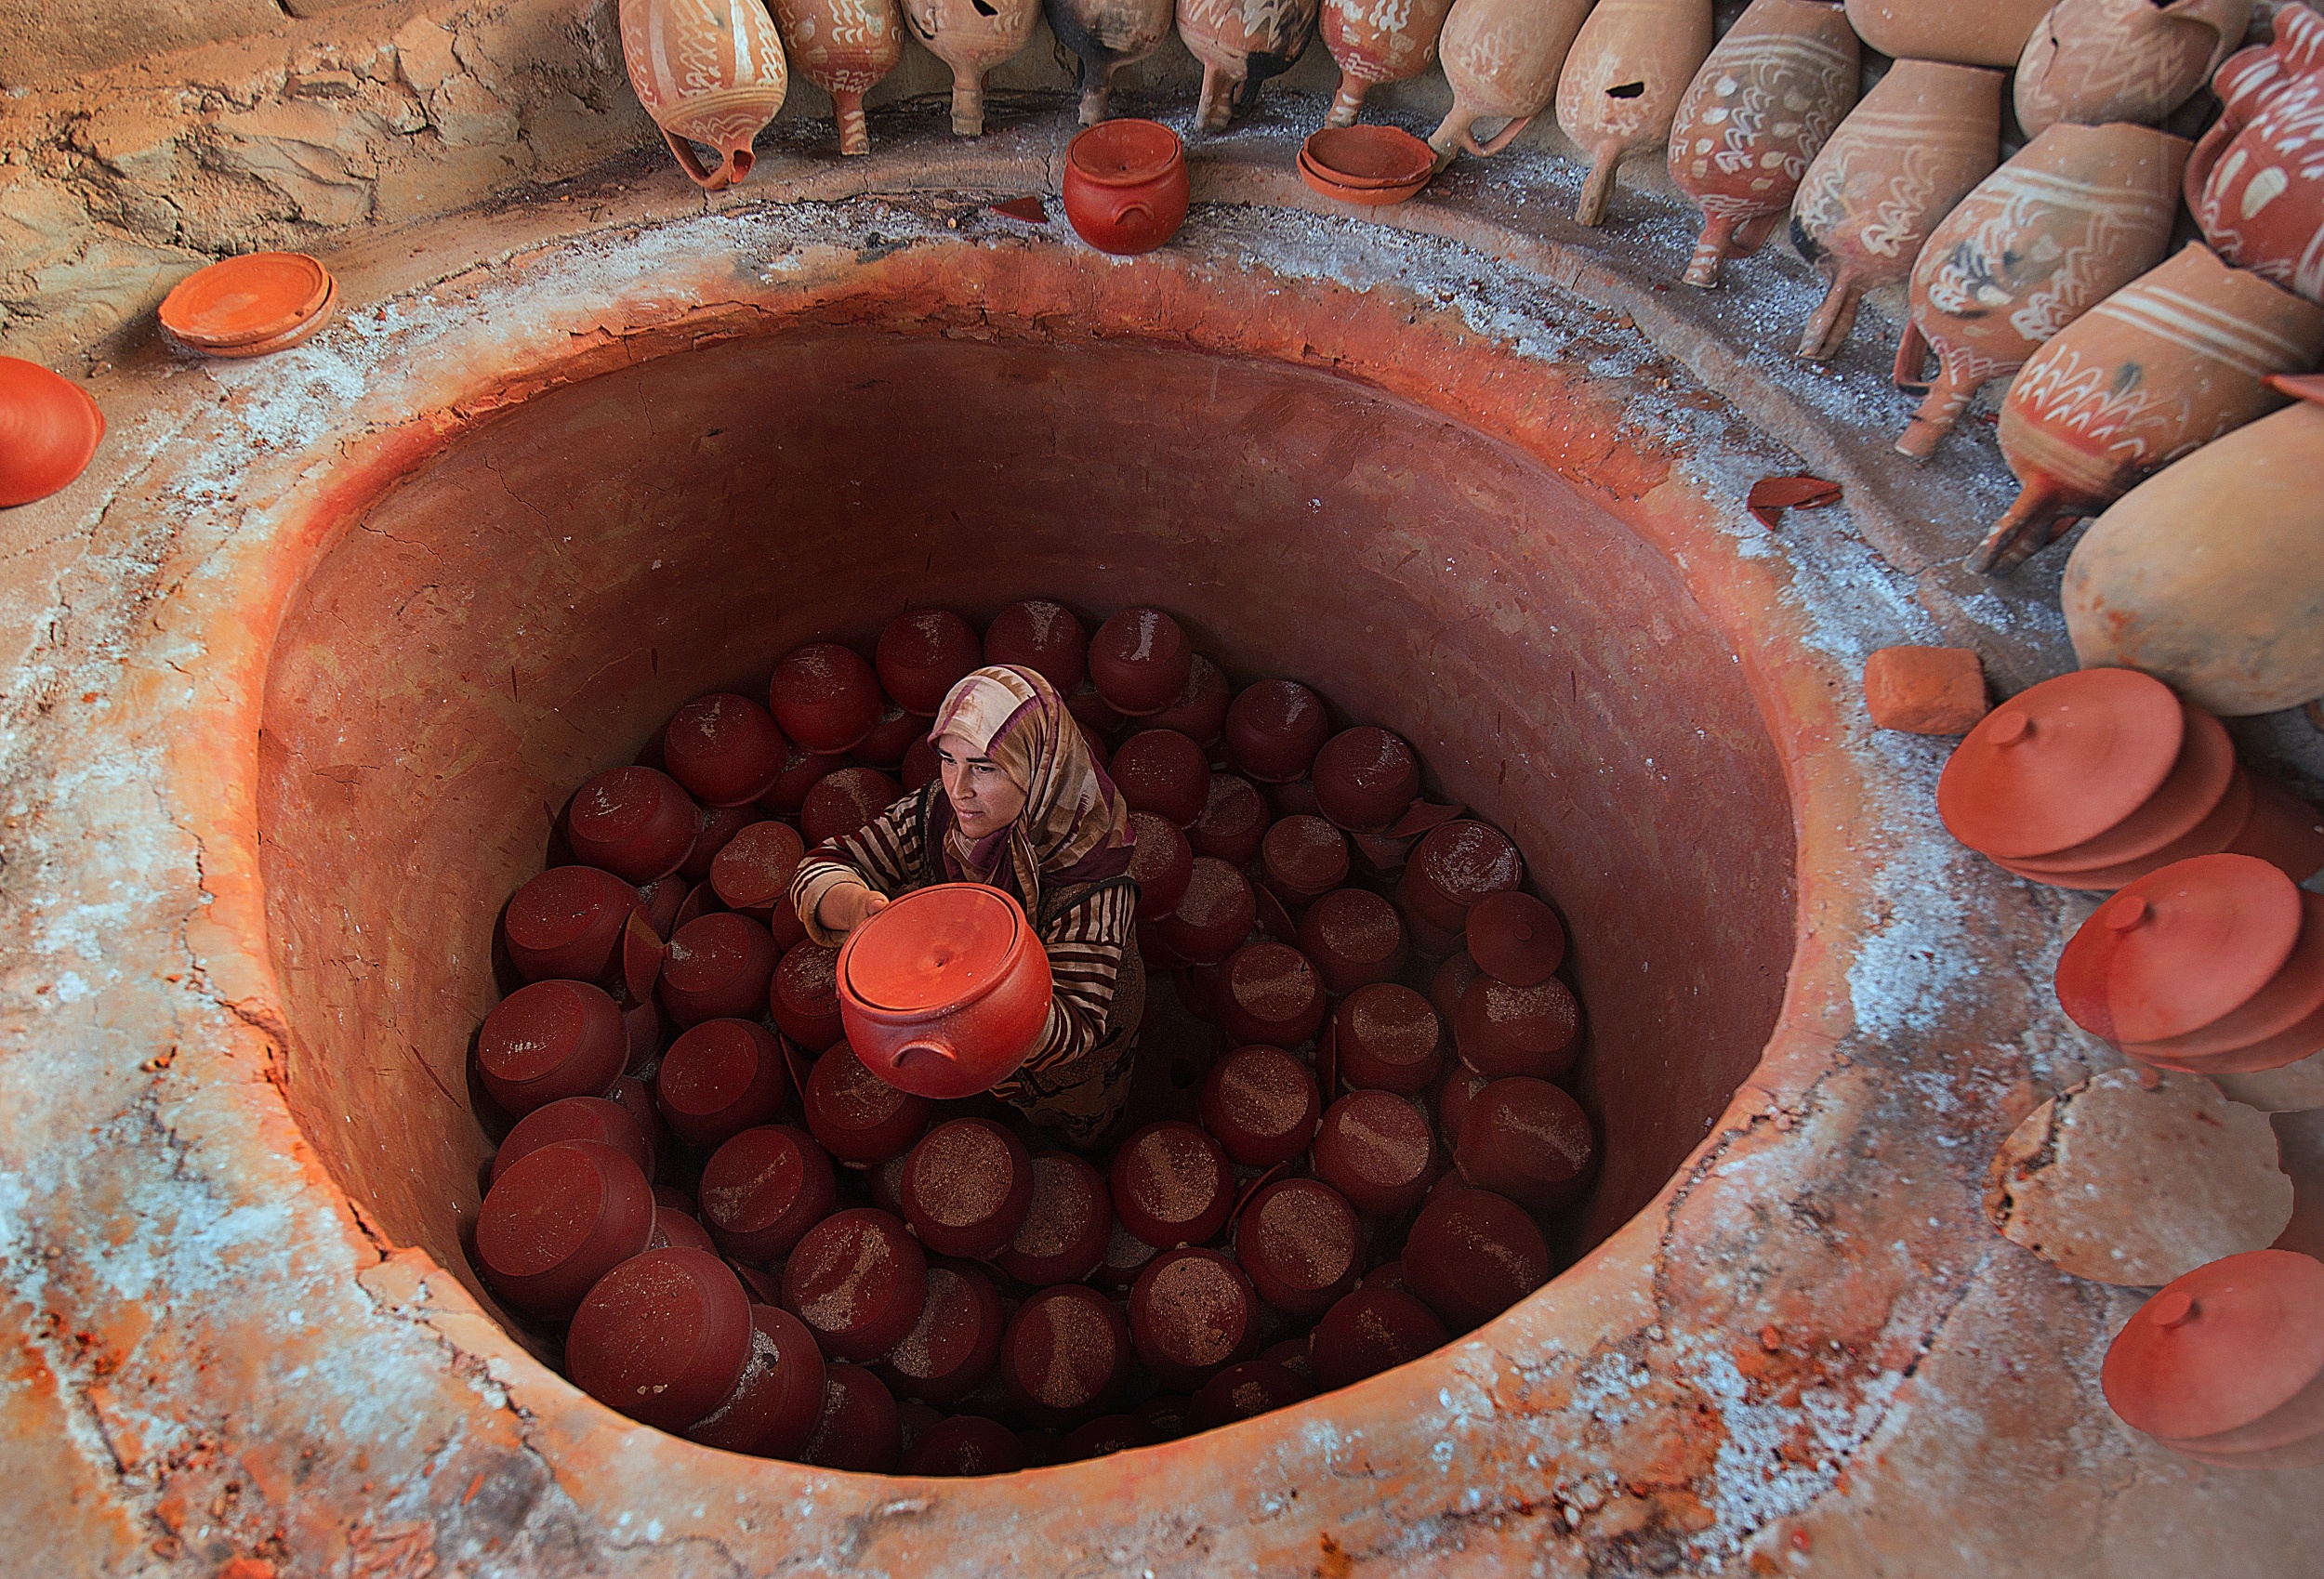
2179,949
261,296
2061,763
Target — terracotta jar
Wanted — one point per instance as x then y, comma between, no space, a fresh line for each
1274,730
1502,59
1105,35
719,1079
549,1041
1355,938
558,1221
1163,772
663,1337
1628,68
1233,821
2100,61
954,1346
860,1429
1161,863
1260,1104
1065,1356
773,1411
827,699
1299,1240
1376,1148
845,48
1171,1185
763,1189
718,968
2260,203
635,823
1375,1329
1375,43
1924,135
1190,1313
971,36
2164,366
2226,1365
2074,215
1241,44
1967,33
1471,1254
2209,575
49,427
1764,104
922,655
1140,659
1387,1038
946,991
857,1116
708,73
569,922
966,1187
600,1119
1067,1226
1044,637
859,1279
1528,1140
1503,1031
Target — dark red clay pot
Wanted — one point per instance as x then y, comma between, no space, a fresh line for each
1200,711
803,997
720,1078
860,1429
923,655
567,924
859,1117
802,770
1274,729
2227,1363
1375,1329
1528,1140
1364,779
1304,858
1092,712
1471,1254
1233,823
1515,939
1066,1225
859,1279
596,1119
1125,1257
966,1187
964,1444
774,1409
1355,938
663,1337
890,743
635,1097
1301,1243
1503,1031
1376,1148
844,802
560,1219
1214,914
1171,1185
946,991
1456,864
1268,992
551,1040
1170,1414
635,823
825,697
725,749
674,1230
765,1187
1192,1311
1108,1434
49,427
1141,661
719,824
920,766
1044,637
1450,981
1161,862
1247,1390
1295,798
753,873
1389,1039
955,1344
718,968
1065,1356
1126,189
1260,1104
1456,1089
1162,772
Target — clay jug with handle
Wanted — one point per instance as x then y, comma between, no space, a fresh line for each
1502,59
2100,61
1963,32
2171,362
2074,215
1242,44
2257,183
971,36
1105,35
1630,66
1378,41
1763,106
1924,135
2210,575
845,48
708,72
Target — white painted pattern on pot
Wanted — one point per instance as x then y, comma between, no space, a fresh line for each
1924,150
709,69
1761,80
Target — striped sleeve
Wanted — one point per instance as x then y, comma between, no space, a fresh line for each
1085,946
885,854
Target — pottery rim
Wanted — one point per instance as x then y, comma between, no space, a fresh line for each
1367,156
183,310
1125,152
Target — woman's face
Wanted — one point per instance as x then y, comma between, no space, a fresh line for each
984,801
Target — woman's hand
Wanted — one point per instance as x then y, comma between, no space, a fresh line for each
848,907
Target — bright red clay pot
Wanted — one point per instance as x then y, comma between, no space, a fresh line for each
1066,1225
1190,1313
860,1429
719,1079
825,697
1126,189
859,1117
774,1409
764,1189
859,1281
567,923
2227,1363
1471,1254
549,1041
1044,637
954,1346
1274,729
1140,659
1260,1104
576,1118
946,991
718,968
923,655
663,1337
1171,1185
1268,992
1355,938
725,749
1161,863
966,1187
1233,823
1375,1329
1164,774
635,823
1364,779
1298,1241
560,1219
1066,1357
1528,1140
49,427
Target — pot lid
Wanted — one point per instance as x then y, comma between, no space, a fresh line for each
2179,948
1125,151
933,950
2200,779
243,300
49,427
1368,156
2061,763
2220,1349
1516,939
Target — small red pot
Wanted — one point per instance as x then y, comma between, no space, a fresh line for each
549,1041
844,802
1364,779
576,1118
1165,774
1389,1039
803,997
633,821
923,655
1190,1313
558,1221
1528,1140
1502,1031
1269,994
567,923
1161,863
1044,637
1214,914
719,1079
944,991
825,697
1066,1357
1355,938
1471,1254
1274,729
966,1187
724,748
764,1189
1067,1226
859,1279
718,968
1200,711
1376,1149
1300,1242
1375,1329
1172,1185
1140,661
776,1406
1126,189
954,1346
663,1337
1260,1104
859,1117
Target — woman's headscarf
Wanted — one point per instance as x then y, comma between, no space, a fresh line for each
1075,827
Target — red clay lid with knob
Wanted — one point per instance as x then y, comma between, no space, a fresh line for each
2179,948
2061,762
1516,939
2220,1349
937,948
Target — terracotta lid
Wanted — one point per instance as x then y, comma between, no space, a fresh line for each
1066,1356
2293,996
1214,914
1233,823
720,1078
576,1118
859,1117
859,1429
635,823
240,301
1528,1140
1355,938
763,1189
963,1444
1163,772
1304,858
2179,948
843,801
858,1279
1261,1104
724,749
1199,713
1044,637
939,948
1161,863
2061,762
717,967
1376,1148
923,655
1516,937
2221,1349
2199,781
298,333
1364,779
1301,1245
1370,155
560,1219
663,1337
49,427
755,869
1192,1311
568,923
1268,992
1274,729
953,1346
1141,661
967,1186
774,1409
549,1041
1066,1225
803,997
1330,185
1377,1328
1249,1389
1456,864
1471,1254
1171,1185
825,697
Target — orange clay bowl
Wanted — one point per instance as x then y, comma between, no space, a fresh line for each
1368,197
1368,156
243,302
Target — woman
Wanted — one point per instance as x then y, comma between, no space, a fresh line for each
1019,803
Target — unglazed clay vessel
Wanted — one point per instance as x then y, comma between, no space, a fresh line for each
1125,188
2099,60
707,73
2166,364
971,36
1965,32
1924,135
844,47
49,427
1763,106
1378,41
2074,215
2262,204
1105,35
1502,59
2210,575
1241,44
1630,66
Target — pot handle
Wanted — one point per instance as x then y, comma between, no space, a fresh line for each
1501,138
1144,215
925,1049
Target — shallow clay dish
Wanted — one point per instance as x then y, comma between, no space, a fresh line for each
1368,156
298,333
248,300
2223,1364
1323,181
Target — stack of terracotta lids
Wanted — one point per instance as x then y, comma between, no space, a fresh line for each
248,306
2094,779
2226,1364
2214,965
1366,164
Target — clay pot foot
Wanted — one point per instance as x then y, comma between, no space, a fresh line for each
1599,189
1348,104
847,110
1834,316
1218,99
2039,518
1947,397
1095,96
1710,250
968,105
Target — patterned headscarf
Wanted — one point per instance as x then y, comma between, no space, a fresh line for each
1075,827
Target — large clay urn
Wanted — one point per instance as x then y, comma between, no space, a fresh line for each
1241,44
844,47
1924,135
1965,32
708,73
2262,204
2166,364
2100,61
2074,215
1502,59
1378,41
2210,575
1630,66
1763,106
971,36
1105,35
